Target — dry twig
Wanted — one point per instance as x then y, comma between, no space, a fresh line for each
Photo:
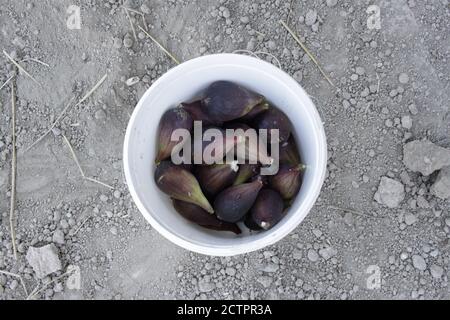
61,115
6,273
296,38
51,127
92,90
20,67
131,23
160,46
13,170
6,82
75,158
37,291
37,61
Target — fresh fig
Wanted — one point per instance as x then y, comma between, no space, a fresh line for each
237,126
214,178
246,171
215,150
226,101
180,184
197,111
232,204
274,119
247,150
173,119
199,216
289,152
268,209
288,180
256,111
249,223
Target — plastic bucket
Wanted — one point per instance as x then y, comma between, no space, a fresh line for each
183,83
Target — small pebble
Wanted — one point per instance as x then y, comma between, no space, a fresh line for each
403,78
407,122
331,3
313,256
128,42
132,81
100,114
419,262
311,17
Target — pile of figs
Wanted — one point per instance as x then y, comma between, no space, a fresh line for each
231,195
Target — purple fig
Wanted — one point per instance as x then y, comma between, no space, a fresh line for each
171,120
247,149
288,180
232,204
274,119
197,112
249,223
268,209
180,184
250,151
199,216
237,126
226,101
214,178
245,173
289,152
256,111
215,150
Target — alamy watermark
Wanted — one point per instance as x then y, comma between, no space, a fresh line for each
215,146
74,19
374,20
373,281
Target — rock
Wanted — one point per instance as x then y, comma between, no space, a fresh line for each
327,253
407,122
447,222
436,271
425,157
206,286
13,284
441,188
360,71
58,237
403,78
413,109
331,3
265,281
270,268
419,262
100,114
230,271
132,81
44,260
113,230
73,281
410,219
313,256
298,75
390,192
145,9
297,254
128,42
245,20
311,17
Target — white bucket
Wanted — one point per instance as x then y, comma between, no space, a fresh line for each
183,83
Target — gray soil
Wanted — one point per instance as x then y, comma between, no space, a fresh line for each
378,214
